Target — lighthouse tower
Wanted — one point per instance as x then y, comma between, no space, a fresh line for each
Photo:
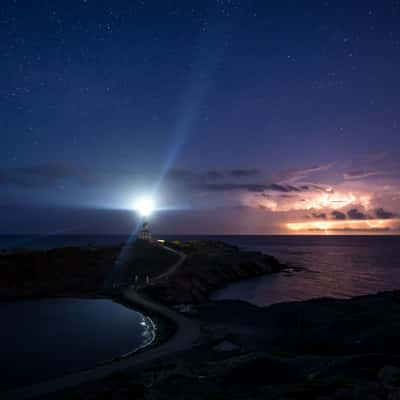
145,233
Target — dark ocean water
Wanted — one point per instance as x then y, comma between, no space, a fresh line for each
333,266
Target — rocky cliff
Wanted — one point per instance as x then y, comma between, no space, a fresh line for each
210,265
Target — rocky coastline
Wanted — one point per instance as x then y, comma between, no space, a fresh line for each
209,265
59,272
322,349
317,349
81,271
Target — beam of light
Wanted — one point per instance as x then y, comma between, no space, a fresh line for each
203,75
202,80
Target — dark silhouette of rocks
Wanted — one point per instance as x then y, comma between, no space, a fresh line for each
147,258
57,272
210,265
322,349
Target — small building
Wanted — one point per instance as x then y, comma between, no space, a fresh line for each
145,233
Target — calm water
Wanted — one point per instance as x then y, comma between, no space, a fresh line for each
43,339
334,266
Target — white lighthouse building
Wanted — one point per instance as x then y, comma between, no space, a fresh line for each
145,233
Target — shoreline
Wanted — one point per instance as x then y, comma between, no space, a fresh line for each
162,328
178,341
191,336
284,348
172,334
219,311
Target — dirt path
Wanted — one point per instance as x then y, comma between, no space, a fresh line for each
173,268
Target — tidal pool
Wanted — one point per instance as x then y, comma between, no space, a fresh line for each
44,339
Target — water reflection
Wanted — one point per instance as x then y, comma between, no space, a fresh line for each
42,339
339,267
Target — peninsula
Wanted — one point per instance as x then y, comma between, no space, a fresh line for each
317,349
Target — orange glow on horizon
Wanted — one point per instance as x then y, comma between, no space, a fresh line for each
337,227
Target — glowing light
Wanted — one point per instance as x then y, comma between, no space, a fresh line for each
144,206
330,227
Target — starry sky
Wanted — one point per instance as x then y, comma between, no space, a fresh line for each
236,116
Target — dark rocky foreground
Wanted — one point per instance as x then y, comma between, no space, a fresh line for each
209,265
81,272
76,271
57,272
318,349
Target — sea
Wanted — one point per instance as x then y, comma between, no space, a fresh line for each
65,335
318,266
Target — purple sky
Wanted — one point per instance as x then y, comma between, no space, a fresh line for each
237,116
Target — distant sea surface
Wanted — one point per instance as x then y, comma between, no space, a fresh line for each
331,266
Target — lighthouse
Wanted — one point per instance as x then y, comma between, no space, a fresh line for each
145,207
145,233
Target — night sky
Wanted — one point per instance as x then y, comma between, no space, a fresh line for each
237,116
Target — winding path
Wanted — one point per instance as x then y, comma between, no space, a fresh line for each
186,334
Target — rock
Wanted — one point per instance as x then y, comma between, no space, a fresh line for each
259,370
210,265
226,346
186,309
389,376
360,391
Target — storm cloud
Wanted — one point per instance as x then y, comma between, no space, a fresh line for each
250,187
240,173
255,187
214,174
340,216
319,215
354,213
383,214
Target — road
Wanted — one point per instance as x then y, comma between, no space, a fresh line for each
173,268
186,334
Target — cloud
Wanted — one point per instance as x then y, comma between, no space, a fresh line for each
255,187
338,215
292,188
179,174
315,187
13,179
295,174
214,175
383,214
51,170
320,215
250,187
240,173
46,175
275,187
348,229
354,213
359,174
